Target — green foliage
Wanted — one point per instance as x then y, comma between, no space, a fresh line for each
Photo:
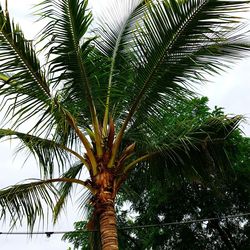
191,201
162,199
158,197
26,201
190,139
133,67
79,237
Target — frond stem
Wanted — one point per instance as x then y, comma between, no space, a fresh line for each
84,140
142,158
24,62
77,155
87,85
117,44
70,180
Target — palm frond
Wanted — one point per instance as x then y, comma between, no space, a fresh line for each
51,117
188,149
114,32
25,90
49,153
171,33
176,41
65,188
69,49
68,21
113,25
27,201
24,80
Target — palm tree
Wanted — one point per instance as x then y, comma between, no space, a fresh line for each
101,99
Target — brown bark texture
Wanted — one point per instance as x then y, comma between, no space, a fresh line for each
108,228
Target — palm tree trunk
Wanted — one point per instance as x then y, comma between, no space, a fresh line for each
108,228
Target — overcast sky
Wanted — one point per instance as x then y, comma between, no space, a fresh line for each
229,90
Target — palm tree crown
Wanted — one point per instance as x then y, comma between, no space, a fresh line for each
102,97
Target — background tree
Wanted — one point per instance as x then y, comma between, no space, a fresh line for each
101,100
193,201
155,200
165,199
79,239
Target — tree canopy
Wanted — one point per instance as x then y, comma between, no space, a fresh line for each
101,98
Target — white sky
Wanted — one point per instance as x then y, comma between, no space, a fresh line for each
230,90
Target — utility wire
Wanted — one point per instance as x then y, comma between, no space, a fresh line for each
186,222
49,233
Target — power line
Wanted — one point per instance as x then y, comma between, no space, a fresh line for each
186,222
49,233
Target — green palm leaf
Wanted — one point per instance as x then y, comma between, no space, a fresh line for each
173,43
22,71
49,153
188,141
65,188
174,39
27,201
68,22
113,35
25,91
